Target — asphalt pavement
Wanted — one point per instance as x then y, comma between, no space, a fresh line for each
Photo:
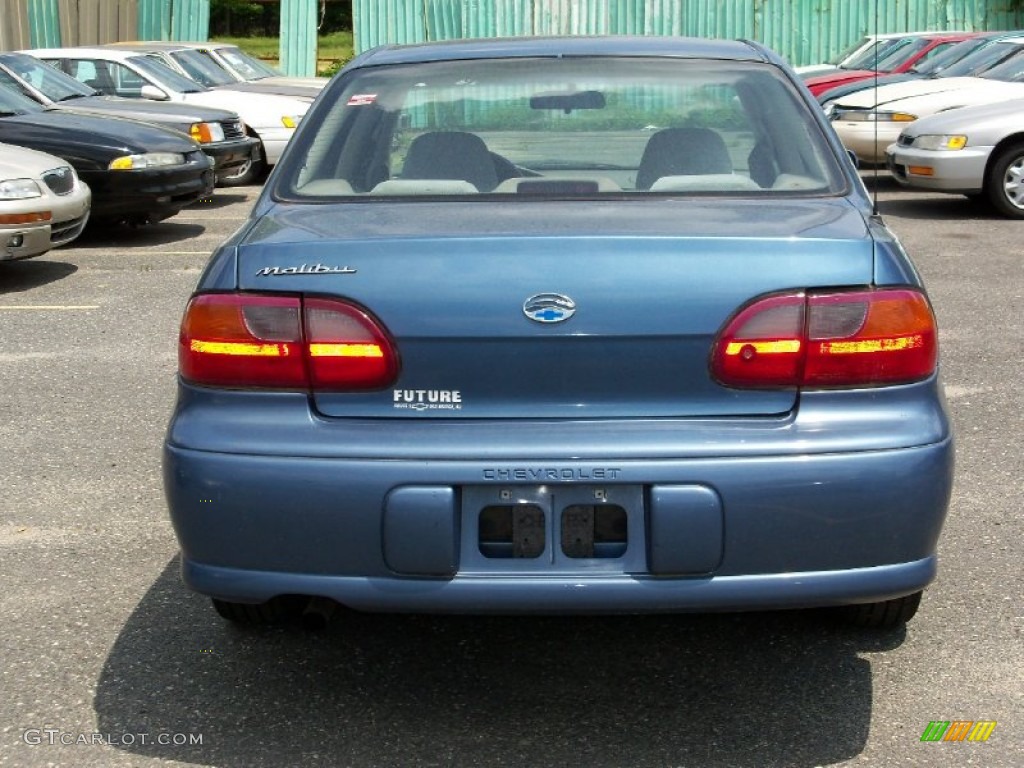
107,660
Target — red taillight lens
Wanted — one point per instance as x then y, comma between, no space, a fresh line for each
839,339
347,349
283,342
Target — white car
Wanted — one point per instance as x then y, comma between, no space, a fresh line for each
271,118
869,121
215,64
864,50
976,151
43,203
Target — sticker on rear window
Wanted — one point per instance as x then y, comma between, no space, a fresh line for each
362,99
428,399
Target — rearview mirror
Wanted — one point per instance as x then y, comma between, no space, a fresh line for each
568,101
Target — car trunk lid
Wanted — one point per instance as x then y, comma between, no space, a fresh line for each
651,283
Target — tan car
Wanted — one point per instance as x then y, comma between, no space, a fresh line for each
43,203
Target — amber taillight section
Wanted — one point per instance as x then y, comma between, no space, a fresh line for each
283,342
811,339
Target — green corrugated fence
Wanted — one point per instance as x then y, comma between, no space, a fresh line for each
803,31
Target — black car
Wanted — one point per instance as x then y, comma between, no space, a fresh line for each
219,131
139,173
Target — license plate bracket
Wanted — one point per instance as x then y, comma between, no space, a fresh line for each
528,539
578,531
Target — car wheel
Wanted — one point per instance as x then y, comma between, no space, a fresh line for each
248,173
1004,183
884,615
271,612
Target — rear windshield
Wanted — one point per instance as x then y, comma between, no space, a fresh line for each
573,127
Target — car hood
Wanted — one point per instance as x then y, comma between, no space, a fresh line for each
307,82
87,141
20,162
238,94
142,109
1001,117
296,92
929,104
895,92
832,79
654,281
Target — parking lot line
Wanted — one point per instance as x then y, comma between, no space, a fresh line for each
45,307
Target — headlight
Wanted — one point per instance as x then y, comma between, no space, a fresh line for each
291,121
865,116
19,189
147,160
205,133
935,142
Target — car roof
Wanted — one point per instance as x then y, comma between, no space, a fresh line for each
525,47
170,45
153,45
85,50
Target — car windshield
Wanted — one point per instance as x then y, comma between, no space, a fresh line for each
900,53
1010,69
575,127
166,76
202,69
983,59
954,53
13,103
51,82
248,67
867,59
848,52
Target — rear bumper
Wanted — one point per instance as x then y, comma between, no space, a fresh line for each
539,595
756,518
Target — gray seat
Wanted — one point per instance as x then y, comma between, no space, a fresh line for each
451,155
682,152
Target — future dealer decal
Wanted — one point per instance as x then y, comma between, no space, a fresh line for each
428,399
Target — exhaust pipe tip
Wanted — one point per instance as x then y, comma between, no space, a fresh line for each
318,612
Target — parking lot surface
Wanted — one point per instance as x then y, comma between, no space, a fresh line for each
109,661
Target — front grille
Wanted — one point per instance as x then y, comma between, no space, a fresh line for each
60,180
64,231
904,141
233,129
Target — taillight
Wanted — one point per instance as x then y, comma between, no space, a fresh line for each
835,339
283,342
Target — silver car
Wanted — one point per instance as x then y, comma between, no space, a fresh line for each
43,203
977,151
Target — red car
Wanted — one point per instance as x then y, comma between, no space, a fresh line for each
901,57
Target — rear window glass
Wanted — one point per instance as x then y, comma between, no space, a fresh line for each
575,127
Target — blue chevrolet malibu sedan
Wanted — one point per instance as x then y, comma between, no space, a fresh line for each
561,325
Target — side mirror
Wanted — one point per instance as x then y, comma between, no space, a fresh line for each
153,93
853,157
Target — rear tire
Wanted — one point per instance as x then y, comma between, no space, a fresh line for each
887,614
271,612
1004,181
